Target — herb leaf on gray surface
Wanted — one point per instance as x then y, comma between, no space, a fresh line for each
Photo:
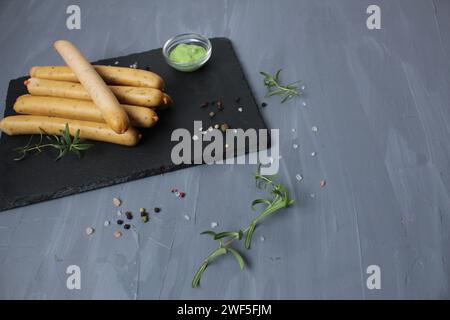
275,88
280,199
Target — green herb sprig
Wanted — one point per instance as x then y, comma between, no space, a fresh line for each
64,144
280,199
275,88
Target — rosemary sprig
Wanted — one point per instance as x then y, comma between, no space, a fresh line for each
274,87
280,199
64,144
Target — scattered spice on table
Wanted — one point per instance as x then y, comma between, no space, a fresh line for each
89,231
313,154
295,146
119,213
240,109
323,183
212,114
117,202
224,127
106,223
129,215
219,105
157,209
264,104
182,194
214,225
304,103
126,226
312,195
119,222
237,100
262,238
195,137
299,177
117,234
204,104
314,129
186,217
142,210
145,218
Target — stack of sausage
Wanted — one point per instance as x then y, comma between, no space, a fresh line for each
105,103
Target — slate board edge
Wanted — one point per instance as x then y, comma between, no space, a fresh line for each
33,199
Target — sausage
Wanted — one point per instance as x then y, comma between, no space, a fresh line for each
19,125
111,75
144,97
114,115
79,110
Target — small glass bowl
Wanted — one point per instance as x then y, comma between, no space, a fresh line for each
187,38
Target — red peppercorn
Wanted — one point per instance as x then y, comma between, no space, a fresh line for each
182,194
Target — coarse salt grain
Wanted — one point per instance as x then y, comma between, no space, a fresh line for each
240,109
295,146
89,231
106,223
117,202
262,239
312,195
119,213
313,154
299,177
293,130
195,137
214,224
304,103
186,217
314,129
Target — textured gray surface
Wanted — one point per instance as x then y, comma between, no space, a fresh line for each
379,98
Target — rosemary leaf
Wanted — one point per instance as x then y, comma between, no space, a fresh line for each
238,257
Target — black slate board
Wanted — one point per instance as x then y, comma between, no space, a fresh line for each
39,178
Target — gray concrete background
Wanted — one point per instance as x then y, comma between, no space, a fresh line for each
379,98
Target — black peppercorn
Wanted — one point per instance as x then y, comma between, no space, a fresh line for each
119,222
263,104
129,215
126,226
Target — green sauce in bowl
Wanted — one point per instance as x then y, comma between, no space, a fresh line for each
183,53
